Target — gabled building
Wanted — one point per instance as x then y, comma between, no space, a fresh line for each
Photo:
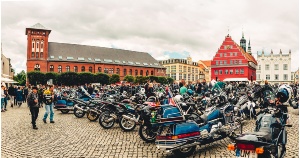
232,62
47,56
206,66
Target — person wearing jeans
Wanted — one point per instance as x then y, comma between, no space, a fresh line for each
2,98
48,100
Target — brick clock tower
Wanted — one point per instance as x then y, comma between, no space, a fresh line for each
37,48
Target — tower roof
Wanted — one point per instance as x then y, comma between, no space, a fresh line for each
37,26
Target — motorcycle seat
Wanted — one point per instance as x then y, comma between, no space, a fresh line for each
264,134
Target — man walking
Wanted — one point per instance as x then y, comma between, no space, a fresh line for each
48,100
32,102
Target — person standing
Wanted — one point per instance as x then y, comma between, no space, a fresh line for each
19,97
183,89
32,102
48,100
6,98
25,91
11,92
198,87
2,98
40,93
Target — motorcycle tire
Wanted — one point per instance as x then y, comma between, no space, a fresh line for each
105,116
78,113
124,122
185,152
92,116
64,111
150,135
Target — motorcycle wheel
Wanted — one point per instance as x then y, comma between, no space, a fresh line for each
185,152
64,111
103,120
127,125
92,116
147,134
78,113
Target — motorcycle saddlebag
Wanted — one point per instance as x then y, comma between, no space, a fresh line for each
177,135
168,113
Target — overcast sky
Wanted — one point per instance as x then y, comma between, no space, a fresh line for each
165,29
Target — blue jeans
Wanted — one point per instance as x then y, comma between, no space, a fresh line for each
49,109
2,103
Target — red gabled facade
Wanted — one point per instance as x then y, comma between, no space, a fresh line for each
231,61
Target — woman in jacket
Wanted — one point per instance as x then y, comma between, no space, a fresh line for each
19,96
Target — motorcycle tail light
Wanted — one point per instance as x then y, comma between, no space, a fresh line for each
246,146
231,147
164,137
188,135
259,150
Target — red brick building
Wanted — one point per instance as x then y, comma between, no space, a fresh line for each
232,61
47,56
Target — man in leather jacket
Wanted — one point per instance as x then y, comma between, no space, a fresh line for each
33,106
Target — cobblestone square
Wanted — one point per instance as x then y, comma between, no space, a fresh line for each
78,137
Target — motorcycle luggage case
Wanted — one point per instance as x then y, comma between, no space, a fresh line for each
168,113
182,133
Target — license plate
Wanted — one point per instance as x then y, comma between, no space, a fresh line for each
246,154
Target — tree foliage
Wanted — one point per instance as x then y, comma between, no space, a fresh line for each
114,79
36,77
21,78
129,78
101,78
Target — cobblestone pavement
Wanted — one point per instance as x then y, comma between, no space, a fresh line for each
78,137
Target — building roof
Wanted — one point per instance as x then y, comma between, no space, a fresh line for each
94,54
37,26
248,56
207,63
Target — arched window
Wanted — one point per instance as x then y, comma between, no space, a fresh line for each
141,72
51,68
37,55
82,69
37,67
152,73
33,41
111,71
90,69
42,44
147,73
136,72
75,69
118,71
59,69
41,55
32,55
125,72
68,68
99,69
130,71
105,70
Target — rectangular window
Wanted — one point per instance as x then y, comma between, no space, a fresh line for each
220,72
285,77
258,76
285,66
225,62
221,62
276,77
240,61
235,61
235,54
236,71
226,71
230,53
267,67
267,77
258,67
217,62
231,62
225,54
216,72
231,72
276,66
242,71
221,55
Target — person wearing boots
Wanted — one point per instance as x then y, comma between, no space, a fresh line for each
33,106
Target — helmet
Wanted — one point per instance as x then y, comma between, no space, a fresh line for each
190,92
284,93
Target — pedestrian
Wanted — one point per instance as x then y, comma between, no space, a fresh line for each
2,98
198,87
15,95
182,83
6,98
40,93
25,91
19,96
11,92
48,99
32,102
183,89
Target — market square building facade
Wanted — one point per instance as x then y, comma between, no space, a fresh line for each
46,56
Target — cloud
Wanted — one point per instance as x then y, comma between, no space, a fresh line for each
197,27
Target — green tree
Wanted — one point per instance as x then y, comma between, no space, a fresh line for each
86,77
36,77
153,78
101,78
114,78
129,78
69,78
51,75
20,78
170,80
162,80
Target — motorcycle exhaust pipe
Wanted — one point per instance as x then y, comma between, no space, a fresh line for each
184,146
79,108
113,117
129,118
